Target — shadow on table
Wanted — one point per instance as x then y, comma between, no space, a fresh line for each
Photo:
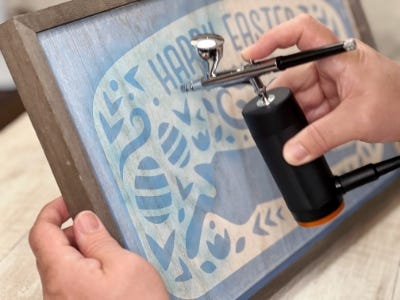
10,107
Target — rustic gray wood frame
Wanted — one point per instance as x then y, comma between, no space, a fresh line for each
55,129
44,103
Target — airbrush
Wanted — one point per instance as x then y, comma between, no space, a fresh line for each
311,192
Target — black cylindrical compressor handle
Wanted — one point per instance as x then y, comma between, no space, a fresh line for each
308,190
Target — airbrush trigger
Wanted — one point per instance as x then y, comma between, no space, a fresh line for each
210,47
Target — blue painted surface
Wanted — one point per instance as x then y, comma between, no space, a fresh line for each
179,171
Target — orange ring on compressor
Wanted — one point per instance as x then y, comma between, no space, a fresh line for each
323,220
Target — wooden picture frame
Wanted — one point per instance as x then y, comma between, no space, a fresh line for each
27,43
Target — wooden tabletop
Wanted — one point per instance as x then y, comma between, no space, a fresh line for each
364,263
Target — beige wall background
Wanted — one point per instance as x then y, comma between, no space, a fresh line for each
384,20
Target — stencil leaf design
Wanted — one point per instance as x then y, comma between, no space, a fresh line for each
111,131
112,106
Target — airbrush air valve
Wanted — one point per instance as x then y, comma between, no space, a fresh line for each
312,193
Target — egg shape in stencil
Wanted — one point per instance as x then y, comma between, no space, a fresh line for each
174,145
152,192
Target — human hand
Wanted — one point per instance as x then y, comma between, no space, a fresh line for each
352,96
84,262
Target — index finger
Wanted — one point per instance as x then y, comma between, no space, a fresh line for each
46,235
55,213
303,31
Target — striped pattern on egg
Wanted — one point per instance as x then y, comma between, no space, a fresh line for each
174,145
152,192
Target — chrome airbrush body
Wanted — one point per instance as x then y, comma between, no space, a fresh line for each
210,48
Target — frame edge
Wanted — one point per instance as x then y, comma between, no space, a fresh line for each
56,132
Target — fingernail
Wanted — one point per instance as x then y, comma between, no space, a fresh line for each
296,154
87,222
245,53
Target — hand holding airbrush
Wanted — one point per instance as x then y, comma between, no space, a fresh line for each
312,193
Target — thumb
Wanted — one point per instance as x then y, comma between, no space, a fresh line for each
319,137
93,239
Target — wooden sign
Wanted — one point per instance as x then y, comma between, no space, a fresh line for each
175,176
